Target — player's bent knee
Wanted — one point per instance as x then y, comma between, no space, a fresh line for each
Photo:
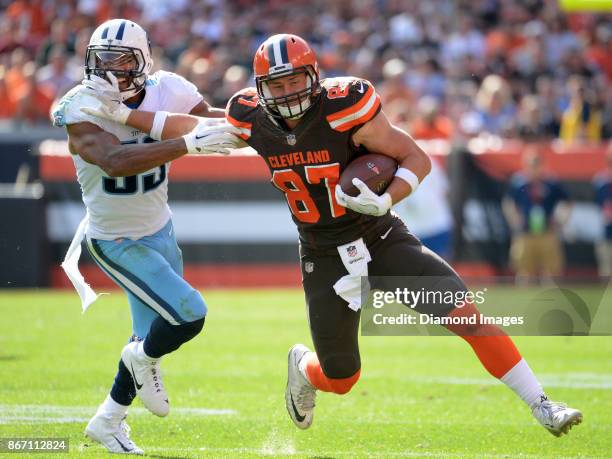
193,307
344,385
189,330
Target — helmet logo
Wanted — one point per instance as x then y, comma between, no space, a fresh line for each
280,69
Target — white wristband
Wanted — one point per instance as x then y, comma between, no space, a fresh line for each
409,177
190,143
158,125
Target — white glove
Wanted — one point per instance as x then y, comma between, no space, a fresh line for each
205,123
111,105
367,202
218,138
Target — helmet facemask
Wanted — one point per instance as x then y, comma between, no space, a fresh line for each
127,64
293,105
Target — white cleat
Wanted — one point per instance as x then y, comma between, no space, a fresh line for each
147,379
300,394
112,433
556,417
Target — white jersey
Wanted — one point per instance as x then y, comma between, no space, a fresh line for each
136,206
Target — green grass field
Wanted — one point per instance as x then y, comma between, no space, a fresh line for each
418,396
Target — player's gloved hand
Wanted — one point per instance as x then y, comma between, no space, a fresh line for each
366,202
111,106
205,122
218,138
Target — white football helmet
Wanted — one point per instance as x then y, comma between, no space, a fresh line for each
121,47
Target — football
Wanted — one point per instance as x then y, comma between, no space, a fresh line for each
375,170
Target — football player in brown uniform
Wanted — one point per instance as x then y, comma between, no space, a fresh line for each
308,130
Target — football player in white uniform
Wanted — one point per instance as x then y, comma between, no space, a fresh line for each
128,228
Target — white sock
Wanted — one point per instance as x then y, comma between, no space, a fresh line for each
112,408
524,383
302,365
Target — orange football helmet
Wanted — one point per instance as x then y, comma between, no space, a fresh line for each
280,56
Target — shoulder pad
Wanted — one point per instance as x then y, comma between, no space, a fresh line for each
153,79
350,102
176,92
68,109
168,80
241,110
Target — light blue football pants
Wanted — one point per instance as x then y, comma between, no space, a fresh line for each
150,270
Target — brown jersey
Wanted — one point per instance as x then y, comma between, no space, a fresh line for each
306,162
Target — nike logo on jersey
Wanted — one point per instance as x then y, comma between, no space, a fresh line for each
201,136
384,236
299,417
360,87
138,385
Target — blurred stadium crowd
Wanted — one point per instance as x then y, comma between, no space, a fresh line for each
444,69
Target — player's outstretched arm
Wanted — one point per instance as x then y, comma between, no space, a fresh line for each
380,136
104,150
120,160
173,125
159,125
